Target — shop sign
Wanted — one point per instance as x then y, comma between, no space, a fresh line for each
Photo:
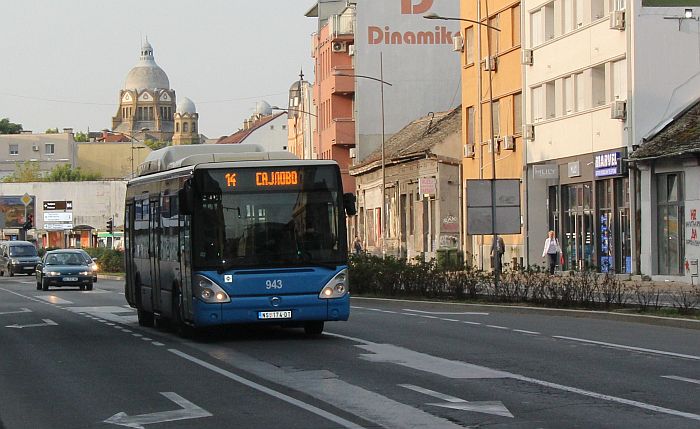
574,169
427,186
608,164
545,171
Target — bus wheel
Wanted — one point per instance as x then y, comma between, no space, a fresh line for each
145,318
313,328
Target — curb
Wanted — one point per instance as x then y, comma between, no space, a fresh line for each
592,314
109,277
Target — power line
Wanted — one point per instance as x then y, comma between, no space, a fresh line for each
92,103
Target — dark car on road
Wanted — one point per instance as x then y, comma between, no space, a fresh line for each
18,257
66,267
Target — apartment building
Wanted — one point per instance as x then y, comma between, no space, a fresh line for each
491,90
598,76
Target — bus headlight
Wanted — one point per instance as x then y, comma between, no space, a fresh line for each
337,287
208,291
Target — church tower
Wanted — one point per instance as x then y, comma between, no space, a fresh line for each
186,123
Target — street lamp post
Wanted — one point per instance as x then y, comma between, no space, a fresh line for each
492,141
381,102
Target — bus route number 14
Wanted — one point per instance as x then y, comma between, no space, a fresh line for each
273,284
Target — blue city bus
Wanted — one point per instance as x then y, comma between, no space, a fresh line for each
231,234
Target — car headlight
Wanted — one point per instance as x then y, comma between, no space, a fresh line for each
337,287
208,291
52,273
84,273
93,267
14,261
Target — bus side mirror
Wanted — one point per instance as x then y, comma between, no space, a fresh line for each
184,197
349,203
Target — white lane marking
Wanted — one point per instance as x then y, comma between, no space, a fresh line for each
21,310
623,347
47,322
522,331
487,407
19,294
449,320
448,313
137,335
147,339
260,388
53,299
608,398
188,411
427,317
471,323
498,327
457,369
687,380
156,343
410,314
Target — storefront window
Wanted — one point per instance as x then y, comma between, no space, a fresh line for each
579,227
670,206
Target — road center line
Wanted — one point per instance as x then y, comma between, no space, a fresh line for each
498,327
522,331
687,380
623,347
448,313
260,388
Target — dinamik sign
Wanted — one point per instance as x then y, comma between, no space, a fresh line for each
417,59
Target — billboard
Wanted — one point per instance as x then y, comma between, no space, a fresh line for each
417,59
12,211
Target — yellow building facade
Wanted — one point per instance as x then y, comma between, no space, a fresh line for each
111,160
492,82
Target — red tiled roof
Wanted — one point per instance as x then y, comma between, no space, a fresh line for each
241,135
113,138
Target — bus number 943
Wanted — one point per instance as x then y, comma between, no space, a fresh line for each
273,284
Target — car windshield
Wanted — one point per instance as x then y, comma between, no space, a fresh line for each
65,259
23,251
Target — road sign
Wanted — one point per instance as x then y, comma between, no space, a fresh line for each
58,205
26,199
480,210
62,217
57,226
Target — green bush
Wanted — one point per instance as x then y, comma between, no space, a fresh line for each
108,260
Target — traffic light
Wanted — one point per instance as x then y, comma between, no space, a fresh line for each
110,225
29,223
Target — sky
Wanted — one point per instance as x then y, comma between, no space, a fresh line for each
65,61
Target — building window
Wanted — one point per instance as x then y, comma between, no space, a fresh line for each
536,28
518,113
470,125
469,45
568,91
177,127
185,127
537,103
515,17
194,127
496,114
598,85
670,221
493,36
619,80
14,149
550,100
580,90
49,148
579,6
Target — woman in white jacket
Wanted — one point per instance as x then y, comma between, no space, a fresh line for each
551,251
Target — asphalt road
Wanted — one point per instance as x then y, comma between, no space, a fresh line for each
71,359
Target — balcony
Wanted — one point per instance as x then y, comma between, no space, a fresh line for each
343,26
343,131
342,85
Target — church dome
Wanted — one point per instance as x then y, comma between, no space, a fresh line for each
146,74
185,106
263,108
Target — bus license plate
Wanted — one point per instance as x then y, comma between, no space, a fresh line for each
70,279
265,315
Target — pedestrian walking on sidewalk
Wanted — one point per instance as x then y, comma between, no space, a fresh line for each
498,248
552,249
357,245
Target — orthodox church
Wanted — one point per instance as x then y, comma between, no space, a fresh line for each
148,108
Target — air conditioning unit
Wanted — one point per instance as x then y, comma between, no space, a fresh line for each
618,109
351,50
469,150
458,43
339,46
617,20
496,144
529,132
509,143
353,152
527,57
490,63
35,147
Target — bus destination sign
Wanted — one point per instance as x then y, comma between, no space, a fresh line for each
249,179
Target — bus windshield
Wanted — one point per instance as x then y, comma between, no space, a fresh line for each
267,218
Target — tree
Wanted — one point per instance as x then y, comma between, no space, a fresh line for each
155,144
7,127
29,171
80,137
65,173
51,131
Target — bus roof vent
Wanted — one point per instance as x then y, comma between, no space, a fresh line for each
180,156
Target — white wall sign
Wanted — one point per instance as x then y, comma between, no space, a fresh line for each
58,217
